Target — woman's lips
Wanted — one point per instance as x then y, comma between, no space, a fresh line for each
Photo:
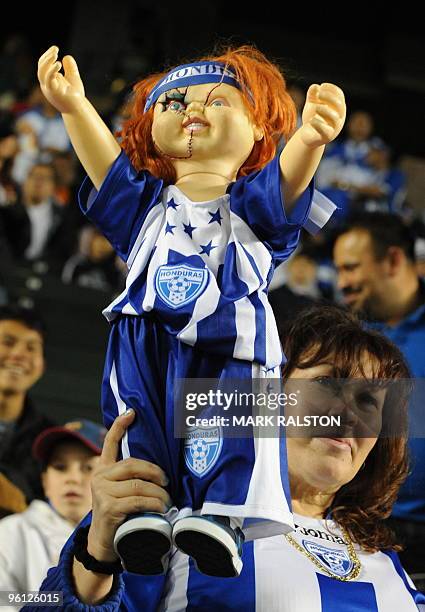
342,443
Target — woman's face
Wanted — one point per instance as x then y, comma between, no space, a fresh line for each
66,481
326,463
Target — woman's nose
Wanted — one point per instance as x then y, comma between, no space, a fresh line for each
351,414
344,404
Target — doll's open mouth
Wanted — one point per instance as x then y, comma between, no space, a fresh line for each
195,123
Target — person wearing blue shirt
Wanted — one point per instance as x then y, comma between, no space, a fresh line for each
374,257
345,174
340,556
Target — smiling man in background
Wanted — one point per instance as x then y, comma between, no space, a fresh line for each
21,366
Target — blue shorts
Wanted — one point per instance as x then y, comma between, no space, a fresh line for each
249,477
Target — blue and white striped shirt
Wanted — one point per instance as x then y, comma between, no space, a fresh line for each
276,577
203,267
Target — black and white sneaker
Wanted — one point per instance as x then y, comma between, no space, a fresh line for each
143,544
213,544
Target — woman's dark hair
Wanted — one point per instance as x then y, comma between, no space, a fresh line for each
362,505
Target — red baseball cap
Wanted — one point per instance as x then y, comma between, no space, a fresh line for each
87,432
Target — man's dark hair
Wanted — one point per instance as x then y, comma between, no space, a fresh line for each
385,230
27,316
43,164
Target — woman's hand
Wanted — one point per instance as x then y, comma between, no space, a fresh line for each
323,115
64,91
120,488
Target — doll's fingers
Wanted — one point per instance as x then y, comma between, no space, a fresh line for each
334,98
45,63
51,51
330,87
51,74
312,93
330,102
71,70
328,114
327,132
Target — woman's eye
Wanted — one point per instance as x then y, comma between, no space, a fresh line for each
368,399
176,106
324,380
217,103
329,383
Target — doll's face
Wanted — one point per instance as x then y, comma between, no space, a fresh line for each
205,123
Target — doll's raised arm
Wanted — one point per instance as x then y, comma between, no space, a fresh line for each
323,118
93,142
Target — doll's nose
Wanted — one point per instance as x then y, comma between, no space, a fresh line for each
195,106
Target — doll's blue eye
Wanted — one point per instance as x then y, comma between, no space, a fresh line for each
176,106
217,103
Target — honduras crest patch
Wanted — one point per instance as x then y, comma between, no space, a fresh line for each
178,285
333,559
202,448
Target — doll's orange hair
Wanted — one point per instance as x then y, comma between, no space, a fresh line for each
271,109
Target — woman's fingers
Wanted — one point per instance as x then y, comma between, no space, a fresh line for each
113,438
135,504
126,468
137,487
136,468
123,487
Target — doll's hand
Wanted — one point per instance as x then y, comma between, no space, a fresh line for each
323,115
63,91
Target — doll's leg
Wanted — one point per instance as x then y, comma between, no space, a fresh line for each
238,482
136,377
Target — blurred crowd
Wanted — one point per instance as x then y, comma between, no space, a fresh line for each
42,228
40,224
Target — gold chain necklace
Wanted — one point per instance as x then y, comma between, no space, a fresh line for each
352,575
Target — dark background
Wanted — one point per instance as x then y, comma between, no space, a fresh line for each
375,54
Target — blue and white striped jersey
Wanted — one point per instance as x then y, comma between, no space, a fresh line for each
203,267
278,578
275,578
